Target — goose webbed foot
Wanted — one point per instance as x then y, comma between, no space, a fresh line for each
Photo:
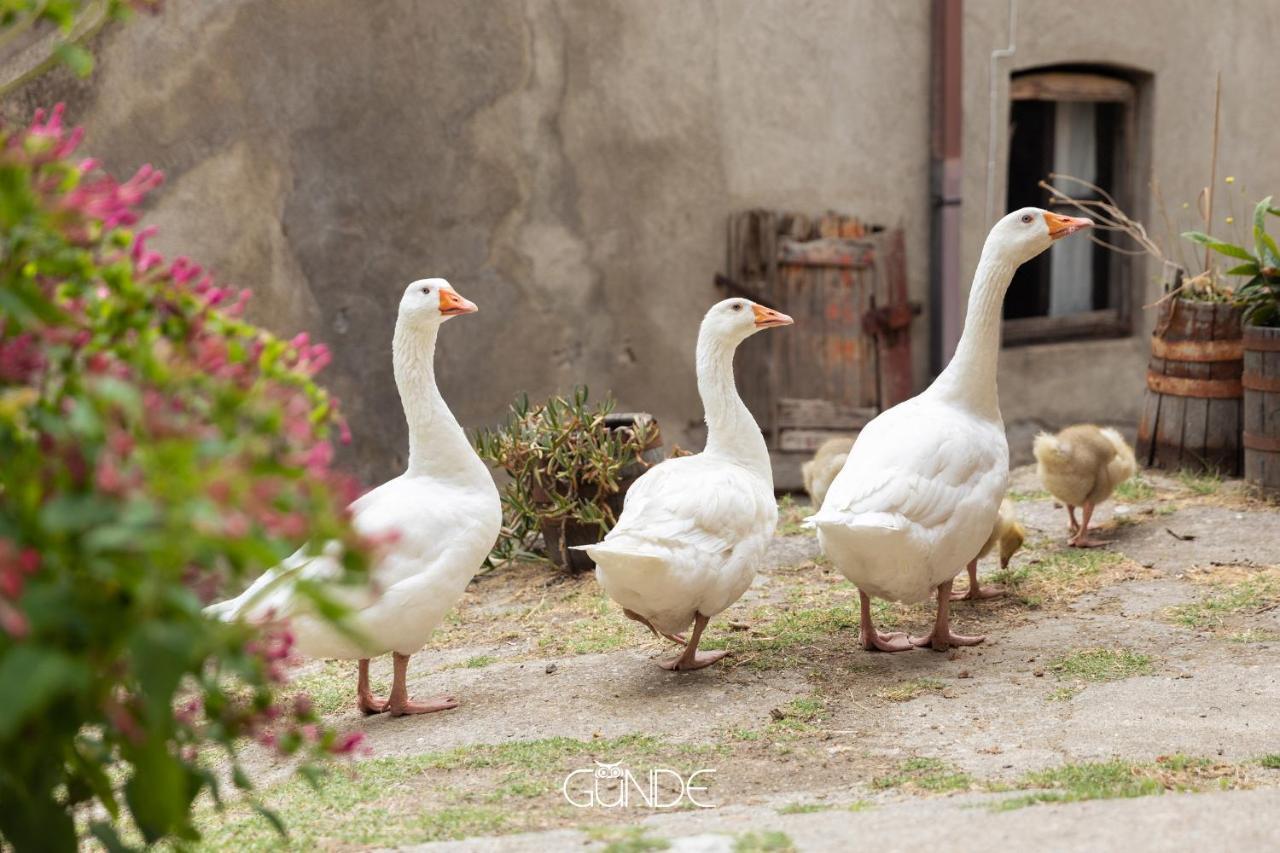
697,660
408,706
400,704
691,658
977,592
875,641
872,639
942,637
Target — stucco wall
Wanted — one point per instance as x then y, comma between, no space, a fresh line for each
567,165
570,166
1182,44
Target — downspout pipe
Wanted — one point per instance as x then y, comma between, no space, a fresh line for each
946,319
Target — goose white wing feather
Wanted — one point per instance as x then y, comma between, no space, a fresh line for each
691,533
916,499
439,534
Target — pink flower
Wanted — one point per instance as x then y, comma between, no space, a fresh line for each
20,359
29,561
347,743
13,621
318,458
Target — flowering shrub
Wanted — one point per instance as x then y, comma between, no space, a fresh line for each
154,446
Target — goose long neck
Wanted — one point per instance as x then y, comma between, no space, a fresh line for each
970,379
732,432
437,444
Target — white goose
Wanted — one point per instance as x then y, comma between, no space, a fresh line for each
444,513
921,489
693,528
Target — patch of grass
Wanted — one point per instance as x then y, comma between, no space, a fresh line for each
1201,483
908,690
1135,489
1059,574
477,662
804,808
778,637
797,716
1096,665
1120,779
606,630
1255,592
1022,497
1271,762
627,839
860,806
1063,694
400,800
1254,635
768,841
332,685
926,774
791,516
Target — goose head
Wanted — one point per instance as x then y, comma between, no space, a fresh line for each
431,301
1025,233
734,320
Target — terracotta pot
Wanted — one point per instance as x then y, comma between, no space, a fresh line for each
560,536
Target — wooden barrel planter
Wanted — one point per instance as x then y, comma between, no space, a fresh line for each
1261,381
1192,414
561,536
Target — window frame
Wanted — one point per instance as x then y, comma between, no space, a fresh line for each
1097,87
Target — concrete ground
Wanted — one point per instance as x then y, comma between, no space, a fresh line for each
1125,698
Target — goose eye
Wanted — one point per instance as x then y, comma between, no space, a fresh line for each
737,306
426,289
1026,217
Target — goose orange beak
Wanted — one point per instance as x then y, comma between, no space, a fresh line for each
1061,226
767,318
451,304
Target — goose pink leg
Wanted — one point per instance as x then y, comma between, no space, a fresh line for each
1082,539
975,592
365,700
872,639
400,704
675,638
941,637
691,658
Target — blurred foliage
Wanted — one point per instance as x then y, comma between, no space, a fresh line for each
74,21
565,463
156,448
1259,295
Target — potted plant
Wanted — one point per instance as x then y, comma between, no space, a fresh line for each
1192,409
1259,301
570,464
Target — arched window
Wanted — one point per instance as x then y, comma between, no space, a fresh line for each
1080,123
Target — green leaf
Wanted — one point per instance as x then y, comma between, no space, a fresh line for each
160,653
1217,245
90,769
157,791
75,513
107,837
75,57
43,675
272,818
1250,268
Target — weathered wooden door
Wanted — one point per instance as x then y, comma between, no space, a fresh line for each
848,355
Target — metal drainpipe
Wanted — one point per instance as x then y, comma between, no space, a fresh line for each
946,317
